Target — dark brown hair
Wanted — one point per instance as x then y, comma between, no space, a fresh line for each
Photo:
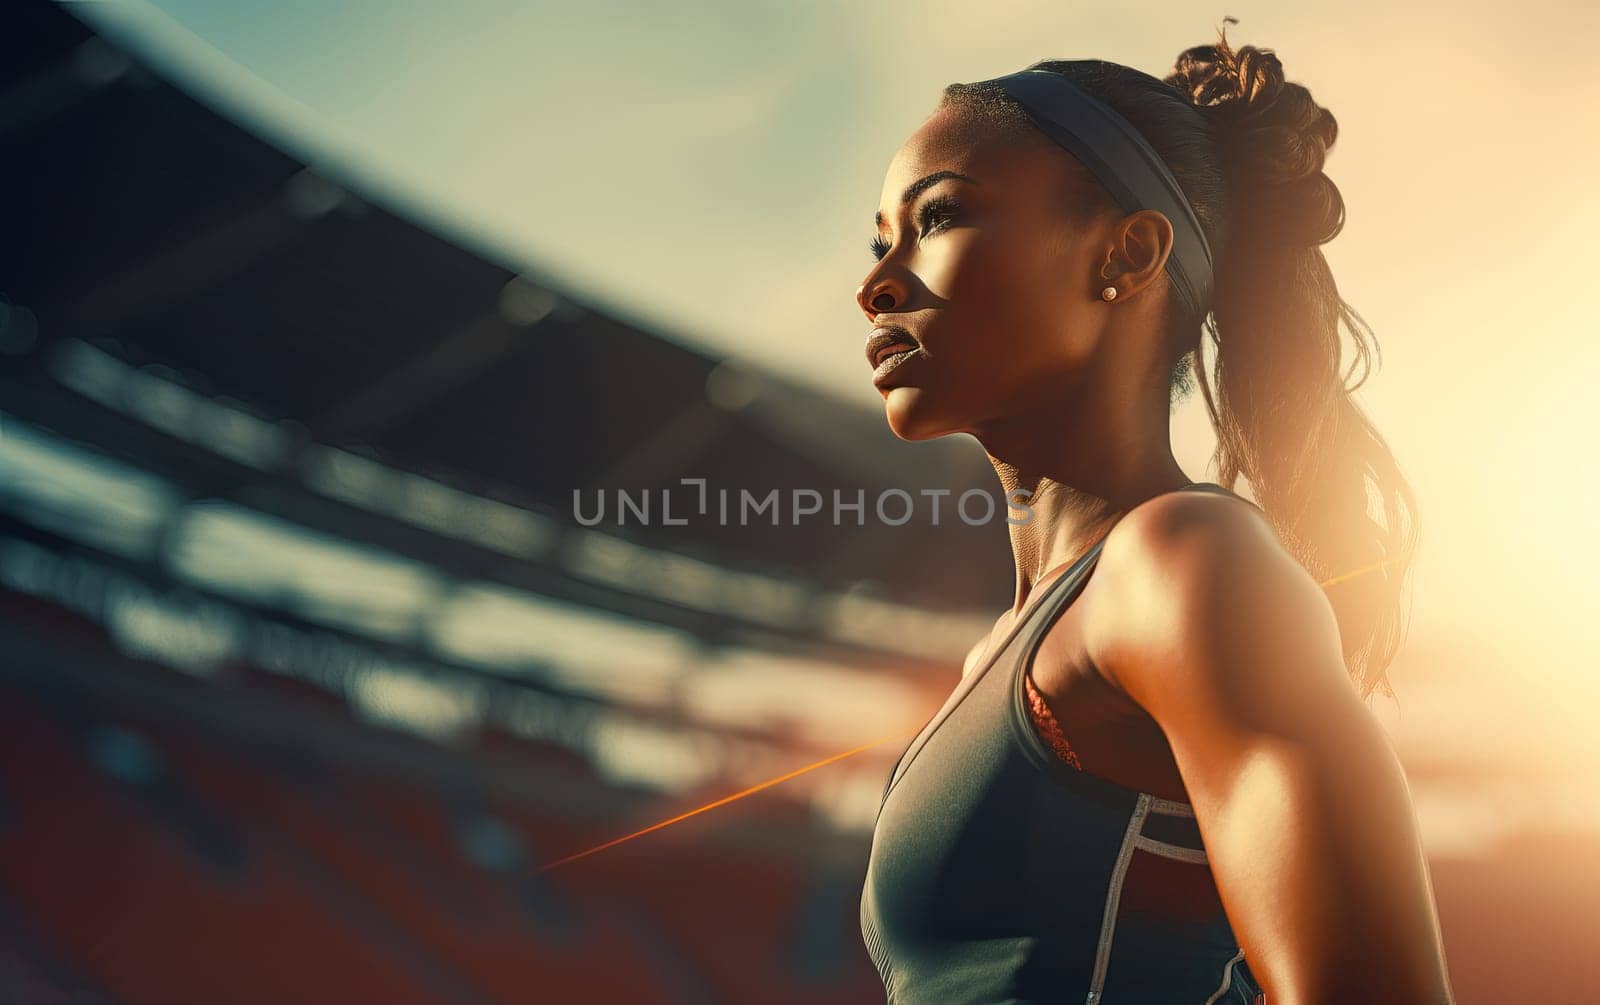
1248,149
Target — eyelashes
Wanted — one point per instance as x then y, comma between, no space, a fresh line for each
934,215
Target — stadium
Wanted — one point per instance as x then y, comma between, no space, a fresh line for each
318,654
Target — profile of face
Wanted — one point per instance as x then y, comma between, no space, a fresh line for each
988,263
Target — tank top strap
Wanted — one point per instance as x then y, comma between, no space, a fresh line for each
1214,487
1061,590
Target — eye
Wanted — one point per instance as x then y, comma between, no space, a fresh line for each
936,214
933,216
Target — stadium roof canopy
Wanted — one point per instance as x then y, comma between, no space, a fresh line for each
186,297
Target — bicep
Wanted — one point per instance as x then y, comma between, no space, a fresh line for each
1301,802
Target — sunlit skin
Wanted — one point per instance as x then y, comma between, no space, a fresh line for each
1200,662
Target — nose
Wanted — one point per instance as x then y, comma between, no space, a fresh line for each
878,296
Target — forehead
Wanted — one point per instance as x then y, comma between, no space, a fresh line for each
952,139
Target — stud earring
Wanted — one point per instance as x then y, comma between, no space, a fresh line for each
1108,294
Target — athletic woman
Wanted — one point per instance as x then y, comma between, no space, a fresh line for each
1158,779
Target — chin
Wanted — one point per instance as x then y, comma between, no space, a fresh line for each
911,417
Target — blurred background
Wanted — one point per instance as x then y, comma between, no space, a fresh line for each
316,316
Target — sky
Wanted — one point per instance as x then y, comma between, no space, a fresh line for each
710,169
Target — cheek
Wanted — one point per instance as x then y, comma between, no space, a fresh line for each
971,269
1004,307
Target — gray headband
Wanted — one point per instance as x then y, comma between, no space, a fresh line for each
1124,162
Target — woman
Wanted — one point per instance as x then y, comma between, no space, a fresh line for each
1159,783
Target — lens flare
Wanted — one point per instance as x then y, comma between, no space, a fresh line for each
728,799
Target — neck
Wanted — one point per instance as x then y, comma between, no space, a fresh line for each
1076,486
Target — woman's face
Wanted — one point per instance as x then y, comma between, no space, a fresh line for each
987,271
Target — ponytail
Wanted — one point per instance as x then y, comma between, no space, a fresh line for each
1284,412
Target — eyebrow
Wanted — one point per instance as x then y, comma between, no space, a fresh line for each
922,184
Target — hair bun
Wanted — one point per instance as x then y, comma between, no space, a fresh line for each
1273,138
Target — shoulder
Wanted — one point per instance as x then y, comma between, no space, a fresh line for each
1201,602
1189,534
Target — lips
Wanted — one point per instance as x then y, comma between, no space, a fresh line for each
890,347
885,341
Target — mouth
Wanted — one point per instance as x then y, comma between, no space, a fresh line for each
887,342
883,377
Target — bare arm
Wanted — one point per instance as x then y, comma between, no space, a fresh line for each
1233,649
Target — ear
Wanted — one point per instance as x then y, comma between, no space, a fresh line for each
1140,246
